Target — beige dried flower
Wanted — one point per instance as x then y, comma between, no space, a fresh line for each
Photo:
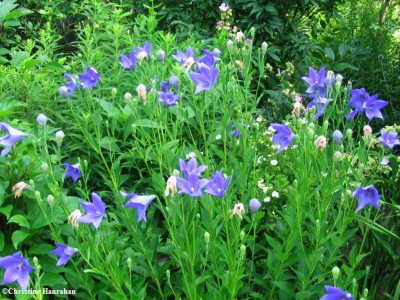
74,218
19,187
320,142
238,209
141,91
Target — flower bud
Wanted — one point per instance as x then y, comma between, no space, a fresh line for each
127,97
207,237
325,125
129,263
161,55
242,250
310,133
216,52
59,137
337,137
50,200
254,205
141,91
229,43
367,131
335,273
63,91
337,156
174,82
242,234
44,167
198,216
114,91
37,196
365,293
339,79
32,183
41,119
349,133
168,273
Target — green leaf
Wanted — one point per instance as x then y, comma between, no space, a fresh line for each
108,107
19,58
53,280
110,143
147,123
41,249
18,237
5,8
343,66
6,210
343,49
20,220
329,52
1,241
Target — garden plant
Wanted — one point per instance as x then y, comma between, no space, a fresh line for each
141,164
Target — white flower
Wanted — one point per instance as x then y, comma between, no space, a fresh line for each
171,187
267,199
190,155
218,137
274,162
275,194
259,119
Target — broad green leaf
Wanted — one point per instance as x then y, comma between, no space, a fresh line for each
147,123
329,52
19,58
6,210
20,220
5,8
18,237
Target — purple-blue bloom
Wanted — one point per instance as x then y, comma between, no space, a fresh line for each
334,293
218,185
94,212
207,59
128,62
320,103
73,171
90,78
65,253
283,137
316,82
373,106
367,195
17,269
142,52
191,167
164,86
140,203
254,205
192,185
181,57
235,132
12,136
337,137
174,82
358,98
168,98
388,139
205,77
161,55
70,85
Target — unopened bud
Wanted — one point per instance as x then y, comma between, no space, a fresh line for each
114,91
264,46
335,273
337,156
50,200
242,234
339,79
242,250
129,263
207,237
37,196
168,273
365,293
161,55
349,133
59,137
44,167
229,43
127,97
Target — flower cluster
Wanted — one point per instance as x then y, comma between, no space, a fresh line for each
361,101
89,79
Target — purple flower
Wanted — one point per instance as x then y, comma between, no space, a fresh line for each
41,119
283,137
94,212
140,203
208,59
254,205
357,100
174,82
161,55
388,139
373,106
235,132
181,57
12,136
367,195
191,167
164,86
218,185
192,185
334,293
205,77
72,172
316,82
337,137
90,78
128,62
168,98
64,252
70,85
320,103
17,269
224,7
141,53
351,114
384,161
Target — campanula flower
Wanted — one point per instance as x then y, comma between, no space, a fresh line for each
357,100
184,57
192,185
254,205
334,293
17,269
41,119
284,136
174,82
235,132
205,77
128,62
337,137
208,59
316,82
90,78
161,55
373,106
218,185
168,98
367,195
191,167
65,253
224,7
140,203
71,85
94,212
12,136
164,86
388,139
320,103
142,53
73,171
